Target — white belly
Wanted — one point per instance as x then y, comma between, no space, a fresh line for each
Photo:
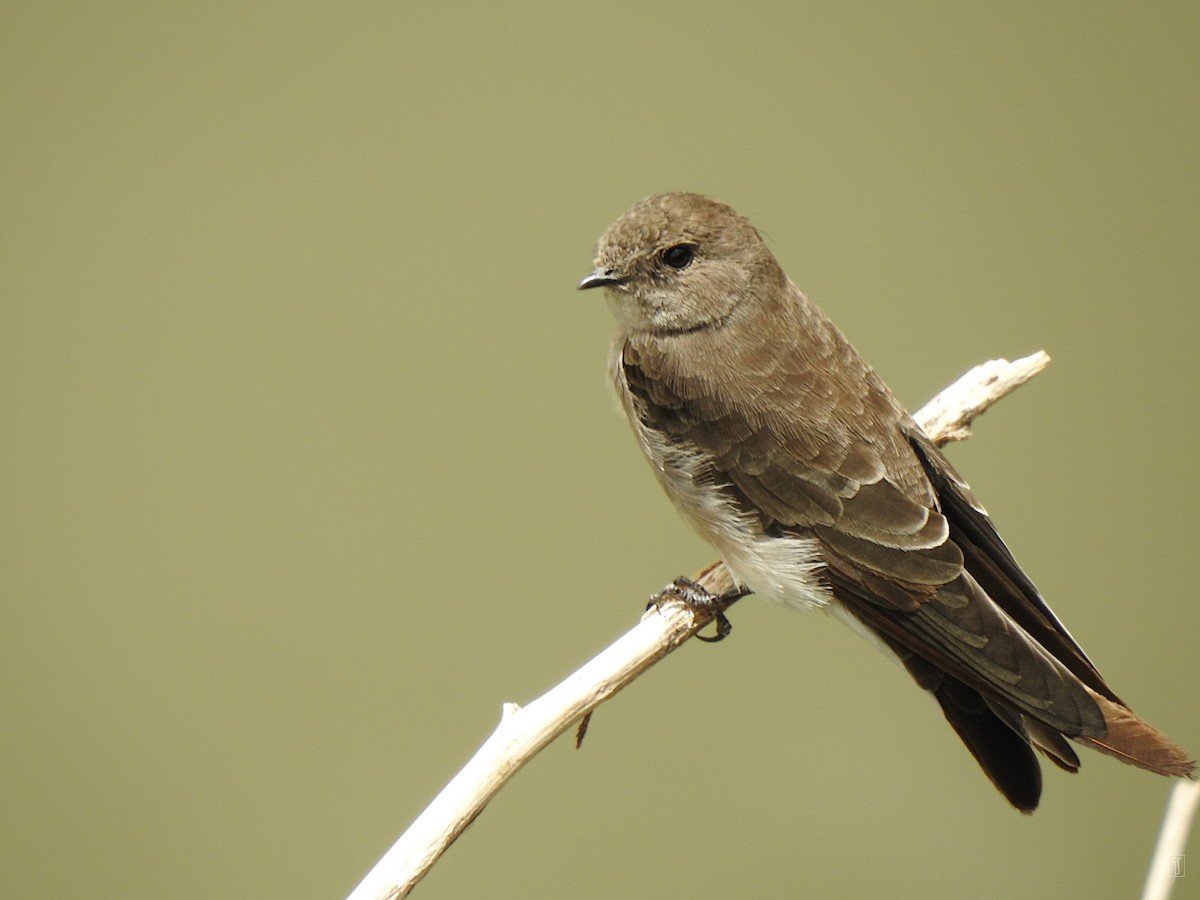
781,569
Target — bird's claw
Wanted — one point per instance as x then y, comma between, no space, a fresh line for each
697,596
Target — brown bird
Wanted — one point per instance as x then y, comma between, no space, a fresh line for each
786,452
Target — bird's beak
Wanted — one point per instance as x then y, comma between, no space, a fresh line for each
600,278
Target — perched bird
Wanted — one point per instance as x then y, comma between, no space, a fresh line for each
785,451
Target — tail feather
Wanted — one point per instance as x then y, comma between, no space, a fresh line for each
1052,744
1002,750
1138,743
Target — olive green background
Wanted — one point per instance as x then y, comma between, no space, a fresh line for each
309,462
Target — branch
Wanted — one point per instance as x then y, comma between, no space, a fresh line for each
1167,862
523,732
945,418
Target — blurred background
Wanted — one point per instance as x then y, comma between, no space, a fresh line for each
310,461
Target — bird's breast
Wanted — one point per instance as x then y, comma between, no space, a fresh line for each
784,569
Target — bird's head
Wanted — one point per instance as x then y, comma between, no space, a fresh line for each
681,262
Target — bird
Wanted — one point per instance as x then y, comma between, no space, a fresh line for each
785,451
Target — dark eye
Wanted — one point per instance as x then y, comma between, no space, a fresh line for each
680,256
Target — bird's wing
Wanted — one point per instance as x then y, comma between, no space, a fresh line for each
992,565
888,548
907,549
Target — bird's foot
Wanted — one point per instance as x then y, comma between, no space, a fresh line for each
697,596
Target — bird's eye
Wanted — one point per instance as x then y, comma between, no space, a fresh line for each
680,256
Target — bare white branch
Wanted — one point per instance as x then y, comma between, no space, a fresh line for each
946,417
1167,864
523,731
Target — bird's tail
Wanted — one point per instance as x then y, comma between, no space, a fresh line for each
1138,743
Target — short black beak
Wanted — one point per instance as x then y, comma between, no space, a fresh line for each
599,278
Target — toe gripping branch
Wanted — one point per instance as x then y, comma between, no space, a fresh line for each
699,597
